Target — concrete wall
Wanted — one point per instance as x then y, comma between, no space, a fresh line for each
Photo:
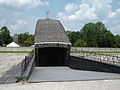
85,64
73,48
16,48
96,49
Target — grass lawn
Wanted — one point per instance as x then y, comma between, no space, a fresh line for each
15,51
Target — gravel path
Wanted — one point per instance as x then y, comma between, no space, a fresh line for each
77,85
8,60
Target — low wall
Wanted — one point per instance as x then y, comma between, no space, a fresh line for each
85,64
73,48
96,49
16,48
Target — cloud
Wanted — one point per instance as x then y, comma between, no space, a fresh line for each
70,7
19,23
85,12
15,14
19,3
116,29
91,11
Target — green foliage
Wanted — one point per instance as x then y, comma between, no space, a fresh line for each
95,35
5,37
107,40
25,39
80,43
29,41
91,33
117,41
73,36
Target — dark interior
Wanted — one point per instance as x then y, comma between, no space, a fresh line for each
51,56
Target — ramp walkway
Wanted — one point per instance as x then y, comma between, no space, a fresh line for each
47,74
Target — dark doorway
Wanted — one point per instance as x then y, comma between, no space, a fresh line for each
51,57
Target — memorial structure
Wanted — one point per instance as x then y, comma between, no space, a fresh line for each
52,45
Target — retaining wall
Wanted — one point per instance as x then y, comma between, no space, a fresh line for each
96,49
86,64
16,48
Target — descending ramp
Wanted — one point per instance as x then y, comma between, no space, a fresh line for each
48,74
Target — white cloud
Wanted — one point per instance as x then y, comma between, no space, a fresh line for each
91,11
85,12
70,7
116,29
19,23
19,3
15,14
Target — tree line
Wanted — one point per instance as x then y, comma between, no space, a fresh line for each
91,35
94,35
23,39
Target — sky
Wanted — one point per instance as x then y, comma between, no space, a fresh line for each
21,15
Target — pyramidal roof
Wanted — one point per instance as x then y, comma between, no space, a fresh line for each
13,44
50,30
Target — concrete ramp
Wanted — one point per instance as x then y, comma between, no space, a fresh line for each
45,74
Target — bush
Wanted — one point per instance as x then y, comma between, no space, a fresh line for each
80,43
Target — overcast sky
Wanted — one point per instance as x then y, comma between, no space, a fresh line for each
21,15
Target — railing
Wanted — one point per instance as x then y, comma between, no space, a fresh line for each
107,58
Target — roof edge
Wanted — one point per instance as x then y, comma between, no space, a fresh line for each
52,44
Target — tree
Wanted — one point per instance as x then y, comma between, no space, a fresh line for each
97,35
1,41
25,39
117,41
107,40
5,37
80,43
89,32
73,36
29,41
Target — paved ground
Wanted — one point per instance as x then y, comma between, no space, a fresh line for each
76,85
9,60
66,74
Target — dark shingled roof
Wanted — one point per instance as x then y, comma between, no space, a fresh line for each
49,30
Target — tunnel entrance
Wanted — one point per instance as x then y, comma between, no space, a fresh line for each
51,56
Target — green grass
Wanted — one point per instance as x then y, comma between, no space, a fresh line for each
15,51
93,52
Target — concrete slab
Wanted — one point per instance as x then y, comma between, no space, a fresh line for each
43,74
